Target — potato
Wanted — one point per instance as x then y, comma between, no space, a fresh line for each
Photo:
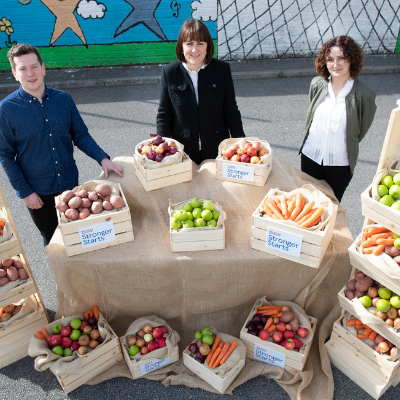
7,263
351,284
17,262
12,274
22,274
117,201
107,206
5,317
3,273
84,213
17,309
75,202
103,189
287,316
392,313
106,198
364,284
93,196
397,259
359,275
4,281
67,196
83,193
350,295
379,339
86,203
97,207
295,324
9,308
72,214
62,206
392,251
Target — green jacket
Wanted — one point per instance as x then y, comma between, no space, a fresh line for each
360,110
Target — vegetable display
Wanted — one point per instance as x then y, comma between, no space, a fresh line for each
248,153
9,311
389,191
147,340
157,149
12,269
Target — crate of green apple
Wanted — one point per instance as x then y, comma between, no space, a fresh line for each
196,224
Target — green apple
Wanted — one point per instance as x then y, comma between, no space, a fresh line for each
206,215
384,293
133,350
188,224
58,350
197,335
175,223
396,179
208,205
187,207
387,200
197,213
395,235
56,329
366,301
394,191
212,223
182,215
190,215
199,222
382,190
176,214
215,214
76,323
196,202
395,301
67,352
207,339
397,242
206,331
383,305
396,205
75,334
387,181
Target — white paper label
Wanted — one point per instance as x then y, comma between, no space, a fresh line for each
239,172
284,242
97,234
151,365
269,356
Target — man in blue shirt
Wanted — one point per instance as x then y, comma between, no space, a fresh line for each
39,127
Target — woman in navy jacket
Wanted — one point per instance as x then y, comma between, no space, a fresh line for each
197,101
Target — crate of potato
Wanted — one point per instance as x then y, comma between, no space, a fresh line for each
375,368
219,362
297,226
161,162
244,160
15,282
196,225
19,320
282,327
91,204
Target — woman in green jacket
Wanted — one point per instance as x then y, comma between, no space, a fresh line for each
341,110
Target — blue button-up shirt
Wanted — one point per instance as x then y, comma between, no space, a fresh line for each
37,142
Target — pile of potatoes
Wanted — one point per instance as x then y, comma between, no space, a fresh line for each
12,269
83,203
9,311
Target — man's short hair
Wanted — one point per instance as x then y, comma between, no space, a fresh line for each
20,50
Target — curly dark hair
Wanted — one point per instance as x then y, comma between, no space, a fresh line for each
352,52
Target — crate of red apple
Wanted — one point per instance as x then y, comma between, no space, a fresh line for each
161,162
282,327
245,160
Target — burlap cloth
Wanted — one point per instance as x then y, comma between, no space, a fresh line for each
206,288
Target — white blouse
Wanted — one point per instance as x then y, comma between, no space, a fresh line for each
327,140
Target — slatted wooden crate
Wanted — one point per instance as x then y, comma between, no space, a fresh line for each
207,374
122,227
153,179
367,368
313,246
294,359
94,363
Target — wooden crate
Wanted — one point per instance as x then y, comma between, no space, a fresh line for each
15,339
142,368
94,363
314,244
207,374
361,363
294,359
153,179
122,227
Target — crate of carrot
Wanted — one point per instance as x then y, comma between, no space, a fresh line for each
281,326
221,365
306,213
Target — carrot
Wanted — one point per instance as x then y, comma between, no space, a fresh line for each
284,207
299,196
378,249
279,205
359,327
317,213
291,206
271,328
85,316
229,352
2,222
360,336
270,313
369,250
277,201
267,210
278,315
373,230
306,209
275,209
268,323
214,357
367,331
96,312
221,355
373,335
45,334
1,231
213,348
305,217
91,313
386,242
385,235
270,307
316,222
351,322
1,311
368,243
39,335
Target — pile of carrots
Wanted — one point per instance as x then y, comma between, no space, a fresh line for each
274,313
219,352
376,239
294,209
2,223
368,333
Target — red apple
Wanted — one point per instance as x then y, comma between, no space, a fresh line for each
65,331
277,336
66,342
164,329
144,350
235,158
281,326
297,343
247,145
302,332
241,151
152,346
235,147
288,334
55,340
157,333
75,345
229,153
245,158
251,151
256,146
264,334
162,341
83,324
48,339
263,152
289,344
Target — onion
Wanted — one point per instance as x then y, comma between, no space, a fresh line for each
193,348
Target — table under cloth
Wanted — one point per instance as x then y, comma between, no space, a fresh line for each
191,290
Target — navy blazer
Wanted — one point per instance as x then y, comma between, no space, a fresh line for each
214,119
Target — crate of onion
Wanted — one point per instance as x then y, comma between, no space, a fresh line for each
161,162
244,160
93,216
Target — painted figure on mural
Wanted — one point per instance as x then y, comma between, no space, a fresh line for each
341,110
39,127
197,101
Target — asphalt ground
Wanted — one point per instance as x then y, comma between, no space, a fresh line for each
123,106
